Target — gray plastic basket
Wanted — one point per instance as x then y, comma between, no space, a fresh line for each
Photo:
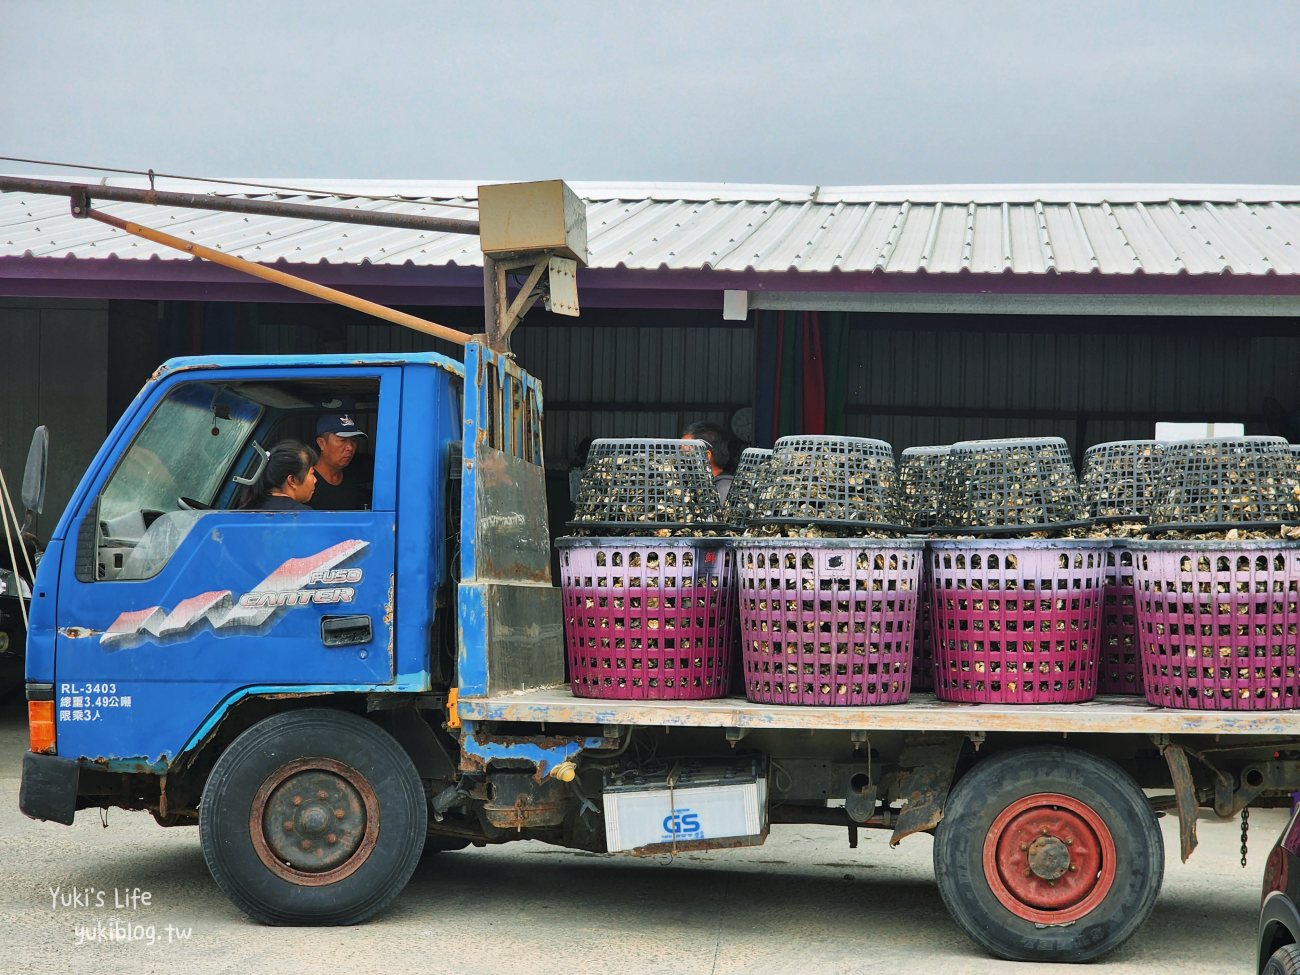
1009,486
1225,482
921,481
1119,479
738,509
647,482
850,481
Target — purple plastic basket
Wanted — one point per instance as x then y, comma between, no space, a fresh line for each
1218,624
1017,621
648,619
923,651
1121,655
827,622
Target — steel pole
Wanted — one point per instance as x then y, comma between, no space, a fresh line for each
231,204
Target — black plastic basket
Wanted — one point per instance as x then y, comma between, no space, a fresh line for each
647,483
1119,479
921,482
1225,482
1011,486
738,508
819,480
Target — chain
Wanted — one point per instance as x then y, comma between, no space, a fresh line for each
1245,828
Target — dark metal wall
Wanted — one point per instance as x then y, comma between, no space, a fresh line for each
912,379
612,373
919,380
629,378
53,370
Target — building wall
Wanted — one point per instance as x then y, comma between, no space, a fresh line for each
53,371
610,373
630,377
913,379
934,379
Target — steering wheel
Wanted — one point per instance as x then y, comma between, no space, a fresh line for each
189,504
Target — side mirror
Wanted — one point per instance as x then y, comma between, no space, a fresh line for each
38,457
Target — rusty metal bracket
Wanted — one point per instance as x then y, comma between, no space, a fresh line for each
80,202
733,735
502,313
932,760
1180,773
860,803
1278,775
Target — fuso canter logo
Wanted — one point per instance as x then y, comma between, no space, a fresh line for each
284,588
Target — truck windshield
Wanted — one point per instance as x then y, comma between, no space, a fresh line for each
183,451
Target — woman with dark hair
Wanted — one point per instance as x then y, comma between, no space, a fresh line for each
288,480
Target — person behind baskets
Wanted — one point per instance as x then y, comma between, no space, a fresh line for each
719,452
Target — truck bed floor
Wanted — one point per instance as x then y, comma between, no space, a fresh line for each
1112,714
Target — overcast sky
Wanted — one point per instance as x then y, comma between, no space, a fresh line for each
779,92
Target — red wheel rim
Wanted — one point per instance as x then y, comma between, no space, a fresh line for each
1049,858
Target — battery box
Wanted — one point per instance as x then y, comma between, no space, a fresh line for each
686,800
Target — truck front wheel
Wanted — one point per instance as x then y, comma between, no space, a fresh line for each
312,817
1048,854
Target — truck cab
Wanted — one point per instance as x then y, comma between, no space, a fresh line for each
167,620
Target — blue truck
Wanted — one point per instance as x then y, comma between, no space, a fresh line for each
331,695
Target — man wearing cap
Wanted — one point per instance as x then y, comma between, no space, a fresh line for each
336,489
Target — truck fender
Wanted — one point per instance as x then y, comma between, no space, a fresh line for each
435,757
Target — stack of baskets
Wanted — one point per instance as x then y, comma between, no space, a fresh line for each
1017,618
828,591
1219,614
738,508
1119,484
648,593
921,480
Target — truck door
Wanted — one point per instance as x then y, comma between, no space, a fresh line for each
176,599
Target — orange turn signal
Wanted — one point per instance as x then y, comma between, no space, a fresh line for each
40,725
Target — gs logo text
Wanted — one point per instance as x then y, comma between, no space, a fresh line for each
682,821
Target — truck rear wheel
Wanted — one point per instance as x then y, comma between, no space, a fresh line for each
1048,854
313,817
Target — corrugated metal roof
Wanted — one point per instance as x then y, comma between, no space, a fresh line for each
1106,229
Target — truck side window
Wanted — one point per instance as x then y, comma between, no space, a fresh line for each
183,452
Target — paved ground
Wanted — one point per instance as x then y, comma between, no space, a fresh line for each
802,903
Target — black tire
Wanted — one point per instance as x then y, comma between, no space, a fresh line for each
362,824
1099,841
1284,961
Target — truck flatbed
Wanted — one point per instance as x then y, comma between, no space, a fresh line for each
1110,714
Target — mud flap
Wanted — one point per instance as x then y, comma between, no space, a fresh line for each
49,788
1180,773
932,760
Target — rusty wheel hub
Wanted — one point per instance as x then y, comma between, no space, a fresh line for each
1049,858
314,821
